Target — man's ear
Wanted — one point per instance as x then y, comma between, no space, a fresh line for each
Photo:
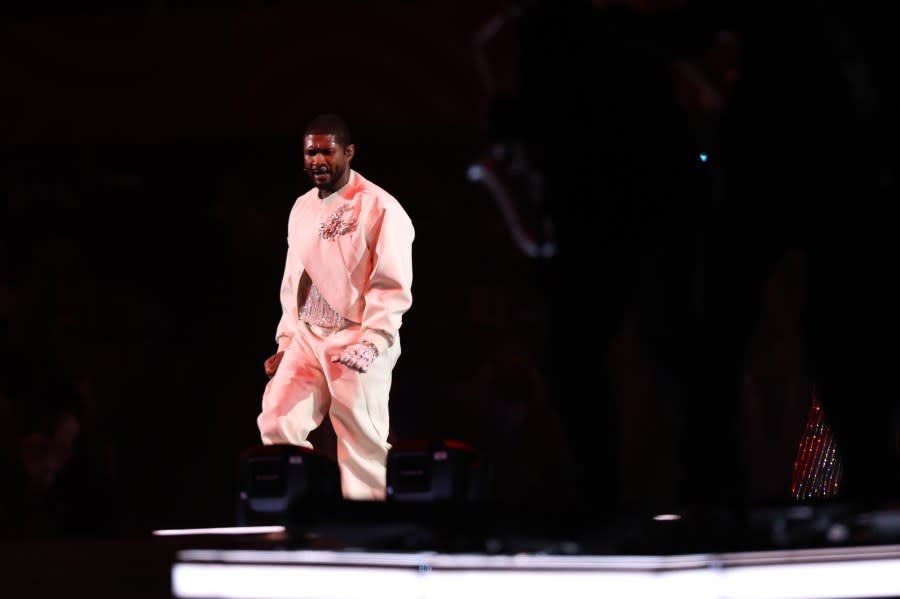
349,151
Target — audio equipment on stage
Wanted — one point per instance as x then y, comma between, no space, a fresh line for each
271,478
442,470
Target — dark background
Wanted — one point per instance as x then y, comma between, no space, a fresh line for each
150,158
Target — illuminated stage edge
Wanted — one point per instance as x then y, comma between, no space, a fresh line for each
846,572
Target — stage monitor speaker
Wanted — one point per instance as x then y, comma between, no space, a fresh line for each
443,470
271,478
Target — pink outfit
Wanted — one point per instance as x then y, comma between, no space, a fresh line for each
356,248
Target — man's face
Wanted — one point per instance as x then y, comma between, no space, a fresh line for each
326,162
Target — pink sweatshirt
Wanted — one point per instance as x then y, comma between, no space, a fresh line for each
356,245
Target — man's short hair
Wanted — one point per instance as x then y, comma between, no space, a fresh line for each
330,124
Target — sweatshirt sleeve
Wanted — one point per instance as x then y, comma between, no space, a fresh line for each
284,332
389,290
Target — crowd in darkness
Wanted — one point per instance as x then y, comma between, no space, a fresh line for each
121,283
138,281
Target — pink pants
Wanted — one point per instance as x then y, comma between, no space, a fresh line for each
308,385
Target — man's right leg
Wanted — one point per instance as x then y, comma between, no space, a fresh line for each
295,400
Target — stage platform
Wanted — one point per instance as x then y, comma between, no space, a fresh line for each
461,550
808,574
424,551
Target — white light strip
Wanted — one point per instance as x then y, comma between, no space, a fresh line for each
819,581
826,580
432,560
228,530
279,582
541,585
525,561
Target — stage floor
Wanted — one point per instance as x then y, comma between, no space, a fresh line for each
794,552
451,552
847,572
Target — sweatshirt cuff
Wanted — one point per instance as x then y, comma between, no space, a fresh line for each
379,339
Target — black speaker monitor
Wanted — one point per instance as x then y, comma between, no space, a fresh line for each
272,477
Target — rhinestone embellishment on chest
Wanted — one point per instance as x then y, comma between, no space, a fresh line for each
336,225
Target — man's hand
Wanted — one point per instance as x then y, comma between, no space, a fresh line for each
272,362
358,356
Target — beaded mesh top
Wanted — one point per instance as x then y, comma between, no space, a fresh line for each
314,309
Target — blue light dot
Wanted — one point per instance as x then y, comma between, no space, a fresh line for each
703,157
